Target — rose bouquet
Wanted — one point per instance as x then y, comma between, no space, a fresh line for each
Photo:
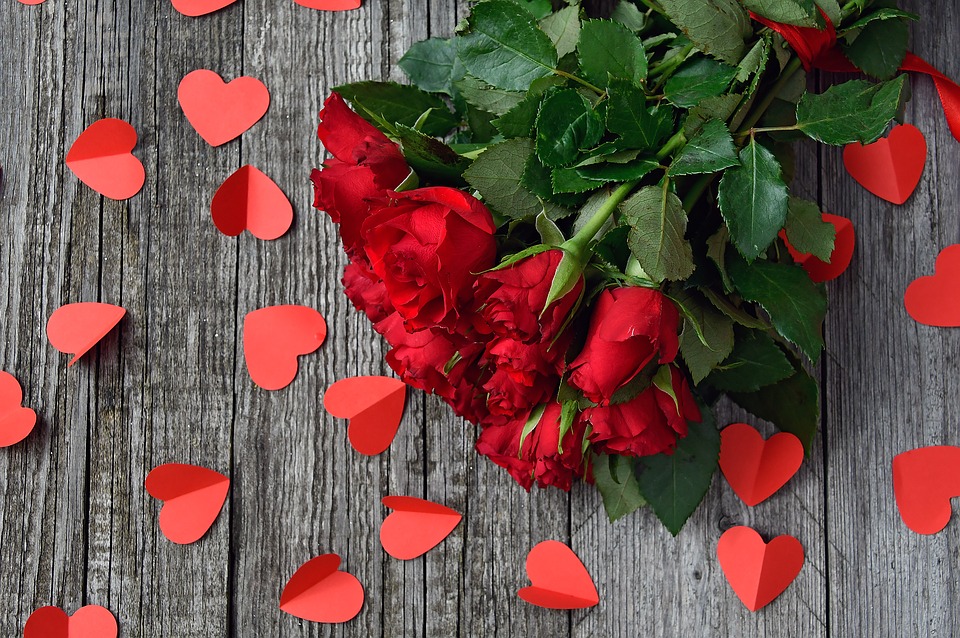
578,232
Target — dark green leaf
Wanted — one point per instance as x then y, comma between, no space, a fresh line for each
658,224
885,13
754,61
713,108
753,200
432,65
756,361
518,121
832,9
563,29
503,46
496,174
569,180
617,482
627,14
486,98
430,157
707,337
716,27
400,104
806,230
793,405
879,48
537,8
710,151
697,80
608,49
639,127
566,125
855,111
617,172
801,13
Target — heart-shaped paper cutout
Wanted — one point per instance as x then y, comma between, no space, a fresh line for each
221,111
415,526
755,468
249,200
320,593
935,300
558,579
77,327
31,2
192,499
102,159
758,572
194,8
374,406
843,246
891,167
92,621
274,337
16,421
924,481
330,5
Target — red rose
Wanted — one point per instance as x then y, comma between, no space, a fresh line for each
540,458
426,246
523,376
365,167
628,328
647,424
365,290
809,43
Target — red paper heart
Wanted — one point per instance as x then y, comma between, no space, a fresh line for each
101,158
330,5
558,579
192,499
16,422
935,300
31,2
194,8
843,245
758,572
891,167
924,481
274,337
77,327
218,110
318,592
755,468
249,200
374,406
416,526
91,621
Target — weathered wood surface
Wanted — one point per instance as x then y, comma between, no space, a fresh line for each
76,526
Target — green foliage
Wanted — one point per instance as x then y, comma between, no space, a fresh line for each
432,65
399,103
698,80
717,27
801,13
566,125
658,224
710,151
487,98
608,50
855,111
879,48
707,337
756,361
617,482
563,29
497,174
639,126
806,230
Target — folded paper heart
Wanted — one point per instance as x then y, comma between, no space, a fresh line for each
249,200
891,167
558,579
330,5
194,8
924,481
935,300
102,159
274,337
192,499
758,572
416,526
91,621
221,111
77,327
31,2
16,421
843,245
374,406
320,593
755,468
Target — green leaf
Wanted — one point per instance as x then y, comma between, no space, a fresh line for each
793,405
569,180
617,172
710,151
430,157
550,234
720,108
754,61
627,14
753,200
832,9
697,80
756,361
608,50
565,279
563,29
503,46
400,104
566,125
884,13
855,111
879,48
537,8
658,224
707,337
675,484
795,304
716,27
432,65
806,230
518,121
639,127
801,13
487,98
496,174
617,483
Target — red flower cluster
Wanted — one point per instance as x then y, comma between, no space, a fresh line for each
485,340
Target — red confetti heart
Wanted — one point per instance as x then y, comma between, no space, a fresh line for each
320,593
758,572
194,8
891,167
77,327
558,579
755,468
935,300
274,337
416,526
374,406
330,5
218,110
102,159
31,2
924,481
91,621
249,200
16,422
843,246
192,499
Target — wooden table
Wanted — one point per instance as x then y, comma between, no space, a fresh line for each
77,527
